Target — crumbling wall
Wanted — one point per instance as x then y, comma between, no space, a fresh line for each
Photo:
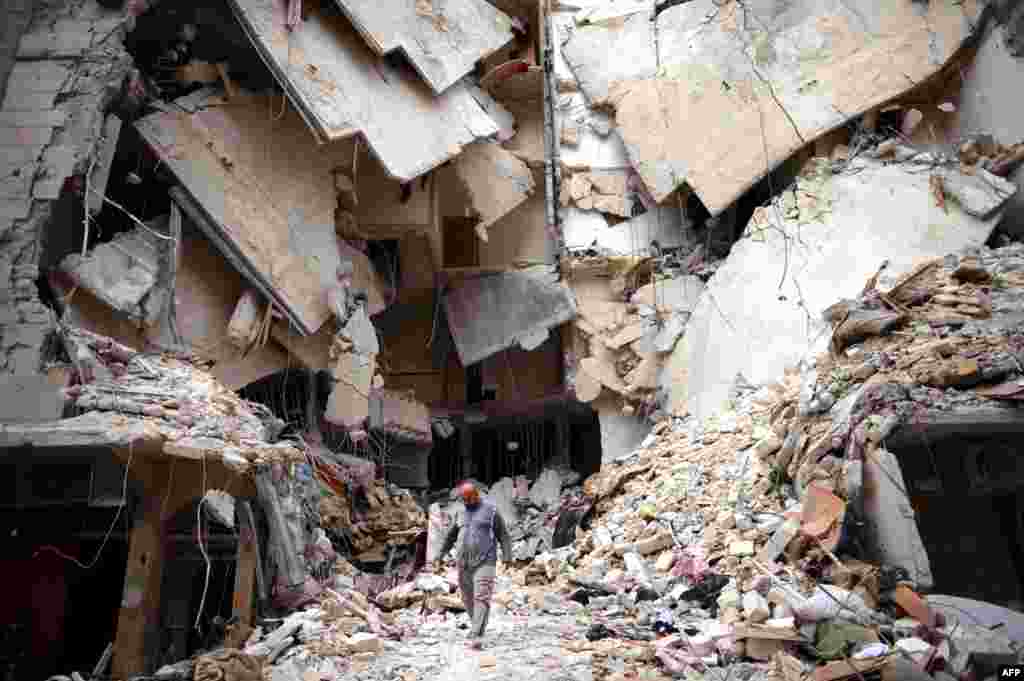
60,80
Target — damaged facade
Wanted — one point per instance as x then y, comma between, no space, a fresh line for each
280,273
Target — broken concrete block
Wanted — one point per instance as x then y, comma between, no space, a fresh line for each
423,32
490,313
364,642
242,327
658,542
361,332
674,295
980,194
891,528
120,272
671,332
755,607
30,399
406,419
495,180
546,489
741,548
348,404
834,232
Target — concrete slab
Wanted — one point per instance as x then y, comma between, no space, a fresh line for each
342,88
891,530
741,87
490,313
120,272
397,415
495,180
442,40
986,105
620,433
834,234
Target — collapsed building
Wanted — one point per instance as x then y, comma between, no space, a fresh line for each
279,274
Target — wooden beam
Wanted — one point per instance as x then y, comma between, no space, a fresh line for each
140,601
245,579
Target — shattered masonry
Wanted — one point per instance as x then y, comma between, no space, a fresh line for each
718,302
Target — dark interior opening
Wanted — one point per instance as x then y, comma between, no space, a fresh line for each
286,394
966,493
518,445
58,616
184,579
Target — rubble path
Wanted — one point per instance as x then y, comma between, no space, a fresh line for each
516,647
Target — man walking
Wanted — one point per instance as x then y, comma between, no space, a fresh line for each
484,528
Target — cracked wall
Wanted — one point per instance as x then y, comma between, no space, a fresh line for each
61,67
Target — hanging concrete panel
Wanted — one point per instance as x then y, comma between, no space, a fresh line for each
442,38
342,88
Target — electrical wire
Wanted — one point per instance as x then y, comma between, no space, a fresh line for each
202,549
110,530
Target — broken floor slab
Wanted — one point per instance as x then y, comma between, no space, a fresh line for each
265,194
443,40
131,398
761,311
495,180
206,291
121,272
342,88
741,87
490,313
398,415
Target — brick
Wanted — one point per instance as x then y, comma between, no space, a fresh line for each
30,137
32,119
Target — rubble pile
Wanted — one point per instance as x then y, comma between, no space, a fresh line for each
372,519
733,538
625,331
337,635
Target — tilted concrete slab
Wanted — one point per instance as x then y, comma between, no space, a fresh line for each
742,86
822,246
443,40
490,313
342,88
